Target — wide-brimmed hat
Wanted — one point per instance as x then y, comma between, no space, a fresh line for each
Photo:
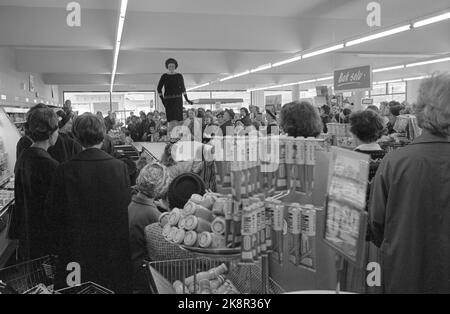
182,187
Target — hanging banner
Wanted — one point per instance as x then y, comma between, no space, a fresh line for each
359,78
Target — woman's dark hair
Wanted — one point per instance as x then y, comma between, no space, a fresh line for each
201,114
42,122
173,61
89,130
300,119
64,118
373,108
29,112
326,109
395,107
245,110
367,126
347,112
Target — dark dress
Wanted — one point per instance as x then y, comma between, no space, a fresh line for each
65,147
173,95
88,211
34,171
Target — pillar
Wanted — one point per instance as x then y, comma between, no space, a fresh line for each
259,100
296,92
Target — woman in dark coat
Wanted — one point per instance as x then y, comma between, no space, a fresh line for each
34,171
88,211
410,202
65,147
174,90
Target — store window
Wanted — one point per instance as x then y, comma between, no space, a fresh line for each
286,96
123,103
388,92
246,96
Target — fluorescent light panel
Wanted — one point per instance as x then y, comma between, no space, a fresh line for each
261,68
389,68
416,78
123,12
241,74
199,86
432,20
277,64
325,79
387,33
226,78
323,51
427,62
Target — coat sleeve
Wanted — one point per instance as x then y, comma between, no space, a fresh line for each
54,207
378,203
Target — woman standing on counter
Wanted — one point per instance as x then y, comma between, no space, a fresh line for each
174,90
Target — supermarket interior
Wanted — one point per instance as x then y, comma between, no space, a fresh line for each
224,147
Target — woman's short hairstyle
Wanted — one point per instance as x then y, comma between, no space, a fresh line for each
171,61
42,122
153,181
433,105
367,126
300,119
245,110
395,107
373,108
89,130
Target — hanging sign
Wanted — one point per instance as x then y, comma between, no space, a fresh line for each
359,78
345,215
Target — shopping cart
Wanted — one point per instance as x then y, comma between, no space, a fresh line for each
24,277
247,278
39,275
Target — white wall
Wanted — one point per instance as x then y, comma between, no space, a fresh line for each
11,80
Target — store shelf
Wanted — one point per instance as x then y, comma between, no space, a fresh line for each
4,180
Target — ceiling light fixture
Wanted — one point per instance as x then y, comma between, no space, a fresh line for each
261,68
427,62
416,78
199,86
432,20
277,64
323,51
241,74
397,67
383,34
123,12
390,81
328,78
226,78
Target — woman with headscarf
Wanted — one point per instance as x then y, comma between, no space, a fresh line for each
174,90
152,184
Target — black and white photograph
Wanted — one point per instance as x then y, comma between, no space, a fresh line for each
259,148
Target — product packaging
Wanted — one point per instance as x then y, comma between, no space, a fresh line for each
308,243
294,233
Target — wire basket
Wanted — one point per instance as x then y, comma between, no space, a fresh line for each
247,278
85,288
25,276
